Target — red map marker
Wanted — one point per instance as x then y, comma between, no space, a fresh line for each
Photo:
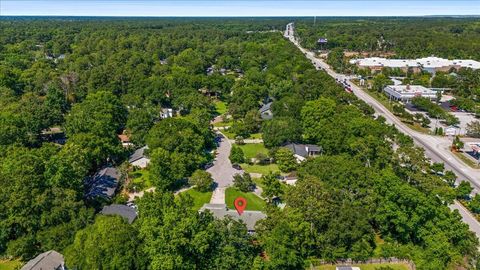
240,204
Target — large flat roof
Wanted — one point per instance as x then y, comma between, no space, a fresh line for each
426,62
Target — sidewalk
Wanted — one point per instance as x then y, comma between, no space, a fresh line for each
218,196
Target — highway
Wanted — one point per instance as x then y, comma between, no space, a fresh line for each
436,148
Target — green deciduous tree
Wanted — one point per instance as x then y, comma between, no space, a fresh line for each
236,155
243,182
202,180
285,160
108,243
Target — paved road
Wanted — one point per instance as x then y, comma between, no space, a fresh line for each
436,148
222,171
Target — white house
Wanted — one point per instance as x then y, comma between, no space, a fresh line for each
408,92
139,159
166,113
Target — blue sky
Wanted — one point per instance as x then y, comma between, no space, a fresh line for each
239,7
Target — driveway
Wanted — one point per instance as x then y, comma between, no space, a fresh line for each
222,171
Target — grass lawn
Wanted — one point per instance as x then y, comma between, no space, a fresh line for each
253,201
220,107
250,150
370,266
467,160
199,198
258,182
223,124
232,135
262,169
10,265
141,178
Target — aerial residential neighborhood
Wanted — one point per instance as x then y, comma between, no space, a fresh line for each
239,135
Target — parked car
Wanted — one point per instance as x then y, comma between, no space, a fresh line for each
208,165
236,166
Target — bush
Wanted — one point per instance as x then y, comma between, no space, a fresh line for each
236,155
202,180
243,182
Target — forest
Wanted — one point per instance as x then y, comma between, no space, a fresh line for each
411,38
370,194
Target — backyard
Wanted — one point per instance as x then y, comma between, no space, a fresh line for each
140,179
253,201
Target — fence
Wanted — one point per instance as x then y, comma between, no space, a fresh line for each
409,263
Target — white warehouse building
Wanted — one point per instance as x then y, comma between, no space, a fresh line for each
407,92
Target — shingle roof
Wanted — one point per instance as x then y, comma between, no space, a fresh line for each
50,260
103,183
138,154
122,210
250,218
302,149
265,107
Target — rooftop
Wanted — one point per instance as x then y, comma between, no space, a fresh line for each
138,154
122,210
302,149
250,218
414,89
50,260
103,183
426,62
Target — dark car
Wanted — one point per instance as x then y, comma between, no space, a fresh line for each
208,165
236,166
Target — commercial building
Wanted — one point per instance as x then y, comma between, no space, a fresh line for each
430,64
407,92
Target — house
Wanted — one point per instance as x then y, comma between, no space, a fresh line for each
407,92
265,111
50,260
125,140
250,218
347,268
139,159
166,113
103,184
127,212
303,151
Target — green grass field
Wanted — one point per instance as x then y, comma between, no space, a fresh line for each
371,266
220,107
253,201
262,169
10,265
250,150
199,198
141,178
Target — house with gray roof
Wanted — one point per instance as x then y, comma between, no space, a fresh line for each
50,260
303,151
127,212
139,159
346,268
265,111
220,211
103,184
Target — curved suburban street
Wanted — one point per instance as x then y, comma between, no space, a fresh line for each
436,148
